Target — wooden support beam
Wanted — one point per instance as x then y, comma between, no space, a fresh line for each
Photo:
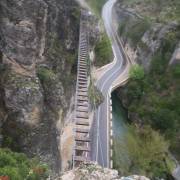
82,122
78,130
82,139
82,148
81,159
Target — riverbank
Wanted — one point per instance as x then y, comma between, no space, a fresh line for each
139,150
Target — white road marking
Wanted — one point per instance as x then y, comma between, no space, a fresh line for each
113,38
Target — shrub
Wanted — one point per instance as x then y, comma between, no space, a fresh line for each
95,96
45,74
17,166
103,51
137,30
137,72
97,5
176,71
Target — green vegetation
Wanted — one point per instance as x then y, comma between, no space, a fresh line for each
95,96
152,98
137,72
155,97
17,166
96,5
135,29
147,153
157,10
103,51
45,74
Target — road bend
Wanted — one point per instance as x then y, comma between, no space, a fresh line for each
101,149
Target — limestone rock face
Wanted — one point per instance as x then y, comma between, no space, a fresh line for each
38,44
95,172
151,41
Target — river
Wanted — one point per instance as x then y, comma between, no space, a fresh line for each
119,117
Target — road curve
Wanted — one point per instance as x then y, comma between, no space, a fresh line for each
101,150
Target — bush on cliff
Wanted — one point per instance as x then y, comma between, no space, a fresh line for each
137,72
103,51
17,166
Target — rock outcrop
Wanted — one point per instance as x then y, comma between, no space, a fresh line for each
38,43
95,172
148,35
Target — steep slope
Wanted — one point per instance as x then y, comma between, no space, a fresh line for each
38,42
96,172
150,33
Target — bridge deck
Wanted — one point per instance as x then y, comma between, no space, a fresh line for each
82,123
82,148
83,139
81,159
82,130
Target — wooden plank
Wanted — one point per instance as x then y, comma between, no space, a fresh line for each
78,130
82,86
82,104
83,109
82,122
82,148
82,101
82,95
83,90
82,76
82,98
82,79
82,66
82,139
82,114
83,73
81,159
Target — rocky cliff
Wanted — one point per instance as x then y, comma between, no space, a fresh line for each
95,172
38,43
145,26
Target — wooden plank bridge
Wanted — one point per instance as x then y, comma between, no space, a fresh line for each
81,150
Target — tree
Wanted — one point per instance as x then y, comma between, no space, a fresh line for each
146,153
137,72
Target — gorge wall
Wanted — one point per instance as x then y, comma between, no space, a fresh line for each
145,26
38,47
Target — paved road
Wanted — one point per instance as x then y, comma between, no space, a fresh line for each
101,151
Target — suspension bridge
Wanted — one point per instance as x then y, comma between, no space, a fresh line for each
81,150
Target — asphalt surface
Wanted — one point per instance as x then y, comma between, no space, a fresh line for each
101,152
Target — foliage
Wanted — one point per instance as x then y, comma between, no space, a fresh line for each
137,72
154,98
158,10
46,74
95,96
147,153
137,30
96,5
103,51
17,166
176,71
134,30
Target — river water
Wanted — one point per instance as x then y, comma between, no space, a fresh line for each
120,130
119,117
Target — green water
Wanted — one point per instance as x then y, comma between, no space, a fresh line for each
120,129
119,117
